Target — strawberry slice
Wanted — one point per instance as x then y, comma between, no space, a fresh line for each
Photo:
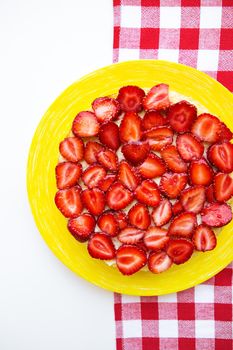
121,219
153,166
204,238
127,177
209,192
93,200
155,238
157,97
93,175
177,208
153,119
107,222
216,214
173,160
130,235
179,250
118,197
139,216
183,225
200,173
135,152
108,159
158,137
181,116
100,246
163,213
193,199
171,184
130,127
148,193
69,202
109,135
223,187
81,227
130,259
225,134
159,262
130,98
221,155
106,108
85,124
72,149
207,128
91,150
105,183
67,174
189,147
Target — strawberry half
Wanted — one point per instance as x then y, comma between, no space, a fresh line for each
163,213
200,173
100,246
157,97
130,127
130,259
193,199
221,155
155,238
216,214
106,108
121,219
158,137
105,183
153,166
189,147
173,160
181,116
72,149
91,150
159,262
225,134
171,184
69,202
179,250
67,174
139,216
93,200
85,124
130,98
204,238
183,225
223,187
209,192
81,227
107,222
148,193
153,119
177,208
118,197
207,128
130,235
126,175
135,152
109,135
93,175
108,159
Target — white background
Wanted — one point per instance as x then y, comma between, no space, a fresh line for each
45,45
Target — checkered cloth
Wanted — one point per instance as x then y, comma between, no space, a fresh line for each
199,34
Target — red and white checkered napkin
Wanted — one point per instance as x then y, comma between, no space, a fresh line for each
199,34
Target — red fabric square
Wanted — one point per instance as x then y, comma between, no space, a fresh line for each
226,78
226,39
119,345
149,311
150,2
189,38
187,343
186,311
118,314
116,2
226,2
150,343
223,344
116,37
190,3
223,312
224,278
149,38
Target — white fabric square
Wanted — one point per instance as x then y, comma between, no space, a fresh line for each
130,299
204,329
132,328
168,298
204,294
128,54
168,328
131,16
170,17
210,16
207,60
168,54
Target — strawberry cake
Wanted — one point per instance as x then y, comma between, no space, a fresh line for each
144,179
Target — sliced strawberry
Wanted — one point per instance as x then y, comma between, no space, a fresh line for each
130,259
148,193
91,150
69,202
139,216
221,155
108,159
127,177
105,183
130,98
173,160
153,119
171,184
189,147
135,152
155,238
181,116
177,208
193,199
159,262
216,214
100,246
223,187
121,219
118,197
158,137
157,97
81,227
153,166
85,124
130,128
93,200
200,173
107,222
225,134
183,225
207,128
179,250
106,108
130,235
209,192
204,238
67,174
72,149
93,175
109,135
162,214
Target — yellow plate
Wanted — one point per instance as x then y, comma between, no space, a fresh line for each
43,157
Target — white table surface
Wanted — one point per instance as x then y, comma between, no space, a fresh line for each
45,45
